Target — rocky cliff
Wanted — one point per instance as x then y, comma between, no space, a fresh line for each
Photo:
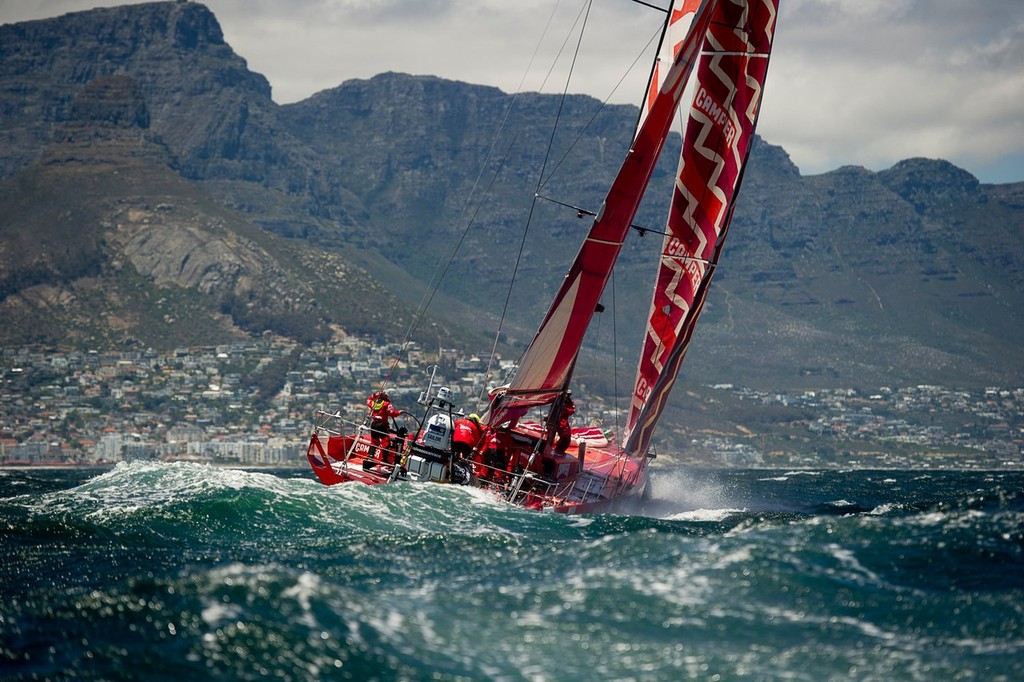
151,191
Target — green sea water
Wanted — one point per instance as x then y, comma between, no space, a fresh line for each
178,571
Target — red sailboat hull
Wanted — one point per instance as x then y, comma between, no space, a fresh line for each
607,480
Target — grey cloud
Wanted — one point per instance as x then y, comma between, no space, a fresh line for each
865,82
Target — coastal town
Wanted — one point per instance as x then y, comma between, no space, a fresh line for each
251,404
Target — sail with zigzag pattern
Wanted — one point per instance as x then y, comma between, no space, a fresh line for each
716,144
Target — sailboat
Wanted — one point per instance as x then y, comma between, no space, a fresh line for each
721,49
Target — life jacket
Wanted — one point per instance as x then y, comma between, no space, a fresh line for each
381,409
467,431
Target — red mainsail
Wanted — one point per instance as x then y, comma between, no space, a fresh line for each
716,144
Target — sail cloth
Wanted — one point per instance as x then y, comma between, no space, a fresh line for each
677,27
716,144
547,364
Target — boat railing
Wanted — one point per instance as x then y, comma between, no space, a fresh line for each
624,481
335,423
495,476
526,485
585,493
529,486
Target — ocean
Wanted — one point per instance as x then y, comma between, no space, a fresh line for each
156,571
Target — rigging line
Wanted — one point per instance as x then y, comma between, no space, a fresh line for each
432,287
584,15
515,273
640,229
587,5
615,355
647,4
442,268
458,245
508,113
604,104
584,9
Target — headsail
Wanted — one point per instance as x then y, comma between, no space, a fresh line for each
547,363
716,145
677,27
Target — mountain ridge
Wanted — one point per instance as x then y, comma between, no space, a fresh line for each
146,163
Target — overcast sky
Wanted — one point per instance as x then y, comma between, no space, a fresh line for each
864,82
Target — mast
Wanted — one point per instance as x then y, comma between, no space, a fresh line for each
545,368
716,145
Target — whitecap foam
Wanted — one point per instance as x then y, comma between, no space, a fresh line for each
705,515
789,474
303,591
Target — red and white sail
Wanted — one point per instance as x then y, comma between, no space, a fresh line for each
547,364
680,19
716,144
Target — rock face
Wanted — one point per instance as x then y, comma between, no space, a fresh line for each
928,184
215,116
151,189
170,250
112,101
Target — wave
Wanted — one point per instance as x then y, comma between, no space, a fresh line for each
180,570
194,499
790,474
706,515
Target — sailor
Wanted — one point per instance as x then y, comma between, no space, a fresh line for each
467,436
491,461
564,430
381,411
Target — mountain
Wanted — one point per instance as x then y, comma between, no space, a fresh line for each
870,278
151,192
105,243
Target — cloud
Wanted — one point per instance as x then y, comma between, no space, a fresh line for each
866,82
870,83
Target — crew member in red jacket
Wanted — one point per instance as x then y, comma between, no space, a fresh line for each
381,412
492,461
468,433
564,430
